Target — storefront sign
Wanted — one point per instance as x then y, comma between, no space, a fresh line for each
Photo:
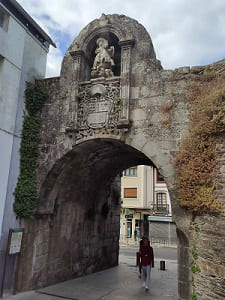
130,216
127,211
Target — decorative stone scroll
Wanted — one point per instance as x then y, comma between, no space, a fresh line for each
98,108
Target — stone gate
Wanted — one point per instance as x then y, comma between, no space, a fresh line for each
112,107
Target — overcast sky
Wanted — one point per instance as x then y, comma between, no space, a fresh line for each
183,32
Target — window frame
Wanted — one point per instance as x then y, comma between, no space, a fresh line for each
162,203
130,172
158,179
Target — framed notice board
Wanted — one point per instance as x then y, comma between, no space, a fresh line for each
13,248
15,240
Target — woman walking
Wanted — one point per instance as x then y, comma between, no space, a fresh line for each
147,261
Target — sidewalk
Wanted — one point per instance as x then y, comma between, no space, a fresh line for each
118,283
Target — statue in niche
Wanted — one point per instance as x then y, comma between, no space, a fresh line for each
103,62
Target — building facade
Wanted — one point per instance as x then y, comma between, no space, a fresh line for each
23,53
146,206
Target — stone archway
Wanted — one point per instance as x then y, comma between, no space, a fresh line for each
76,229
96,123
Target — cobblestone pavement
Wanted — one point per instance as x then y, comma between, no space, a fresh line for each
118,283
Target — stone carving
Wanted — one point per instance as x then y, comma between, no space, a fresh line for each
103,62
98,110
97,89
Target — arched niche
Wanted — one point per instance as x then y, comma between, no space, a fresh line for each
84,57
113,40
125,33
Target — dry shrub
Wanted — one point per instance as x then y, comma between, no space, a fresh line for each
197,158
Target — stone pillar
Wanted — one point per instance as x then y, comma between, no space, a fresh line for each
78,57
183,255
126,49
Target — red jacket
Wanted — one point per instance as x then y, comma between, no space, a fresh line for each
147,256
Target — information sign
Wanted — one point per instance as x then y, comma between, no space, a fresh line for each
13,247
15,241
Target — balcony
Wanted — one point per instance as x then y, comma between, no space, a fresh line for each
162,209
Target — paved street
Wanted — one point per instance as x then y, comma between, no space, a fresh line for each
119,283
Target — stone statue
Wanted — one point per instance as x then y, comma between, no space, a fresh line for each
103,62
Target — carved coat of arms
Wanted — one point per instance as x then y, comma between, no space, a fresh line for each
97,112
97,109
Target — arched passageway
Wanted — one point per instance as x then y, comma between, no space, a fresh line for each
76,229
88,169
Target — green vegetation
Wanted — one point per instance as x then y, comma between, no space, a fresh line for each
117,105
197,159
26,190
193,295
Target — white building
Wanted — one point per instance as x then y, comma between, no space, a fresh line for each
23,53
146,206
161,197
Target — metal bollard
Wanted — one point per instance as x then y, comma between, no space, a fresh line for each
162,265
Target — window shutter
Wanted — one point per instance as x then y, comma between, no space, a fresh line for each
130,193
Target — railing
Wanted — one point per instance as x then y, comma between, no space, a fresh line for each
124,239
155,241
163,241
163,208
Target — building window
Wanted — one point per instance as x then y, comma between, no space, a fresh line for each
132,172
130,192
161,199
159,177
161,203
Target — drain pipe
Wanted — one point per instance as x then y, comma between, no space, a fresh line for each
154,179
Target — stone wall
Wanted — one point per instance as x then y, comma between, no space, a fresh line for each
210,282
69,236
71,242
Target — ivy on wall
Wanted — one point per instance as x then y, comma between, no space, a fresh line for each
197,159
26,190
